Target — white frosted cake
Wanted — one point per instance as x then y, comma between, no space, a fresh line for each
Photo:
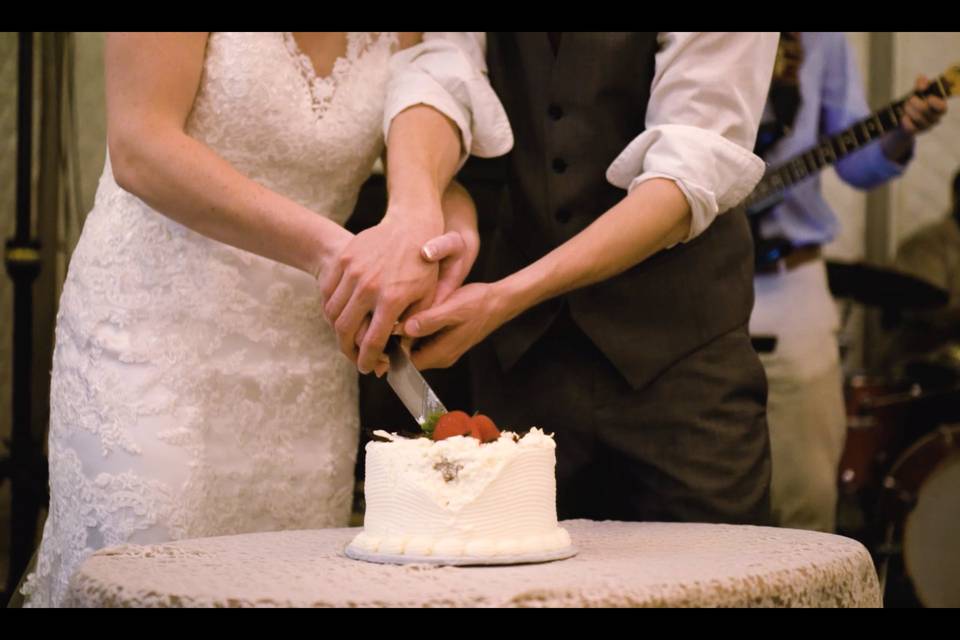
461,498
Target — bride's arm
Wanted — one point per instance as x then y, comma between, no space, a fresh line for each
151,83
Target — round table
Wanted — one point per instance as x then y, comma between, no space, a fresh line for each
619,564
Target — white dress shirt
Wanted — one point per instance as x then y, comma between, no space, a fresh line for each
706,100
832,100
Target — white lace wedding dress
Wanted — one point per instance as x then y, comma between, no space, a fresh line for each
197,389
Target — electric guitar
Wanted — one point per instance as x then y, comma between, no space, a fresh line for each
769,191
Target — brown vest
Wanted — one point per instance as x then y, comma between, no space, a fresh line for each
572,113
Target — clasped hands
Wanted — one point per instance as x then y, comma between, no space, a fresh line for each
404,276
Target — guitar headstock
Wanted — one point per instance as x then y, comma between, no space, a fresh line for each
951,78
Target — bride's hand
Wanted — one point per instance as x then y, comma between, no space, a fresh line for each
456,252
375,280
390,285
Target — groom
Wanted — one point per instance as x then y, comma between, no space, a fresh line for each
617,286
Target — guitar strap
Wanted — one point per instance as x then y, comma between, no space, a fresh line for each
784,99
784,96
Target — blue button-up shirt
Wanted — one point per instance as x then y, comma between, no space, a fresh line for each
832,99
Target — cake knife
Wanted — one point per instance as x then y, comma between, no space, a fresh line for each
413,391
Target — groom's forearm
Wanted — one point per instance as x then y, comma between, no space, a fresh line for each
423,151
654,216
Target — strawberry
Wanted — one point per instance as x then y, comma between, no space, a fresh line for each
455,423
484,429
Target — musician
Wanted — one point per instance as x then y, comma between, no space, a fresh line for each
816,90
933,254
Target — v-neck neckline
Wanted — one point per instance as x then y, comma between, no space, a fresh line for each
314,75
322,89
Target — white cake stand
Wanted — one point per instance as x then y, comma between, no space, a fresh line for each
460,561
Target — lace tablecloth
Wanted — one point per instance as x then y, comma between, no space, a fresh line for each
619,564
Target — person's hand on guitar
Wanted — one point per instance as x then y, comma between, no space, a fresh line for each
919,114
922,113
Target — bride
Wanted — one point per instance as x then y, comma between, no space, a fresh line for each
197,389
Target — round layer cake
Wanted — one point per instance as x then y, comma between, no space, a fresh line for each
460,497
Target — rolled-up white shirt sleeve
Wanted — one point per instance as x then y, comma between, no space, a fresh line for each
448,72
706,101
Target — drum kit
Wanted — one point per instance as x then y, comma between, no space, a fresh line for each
899,475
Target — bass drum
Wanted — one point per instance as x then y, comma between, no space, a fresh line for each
876,410
922,494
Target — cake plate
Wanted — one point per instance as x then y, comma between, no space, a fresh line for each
460,561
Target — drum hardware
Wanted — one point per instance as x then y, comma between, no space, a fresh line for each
876,408
939,368
920,513
887,550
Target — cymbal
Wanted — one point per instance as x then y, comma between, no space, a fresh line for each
882,287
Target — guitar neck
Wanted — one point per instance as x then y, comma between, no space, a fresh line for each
834,148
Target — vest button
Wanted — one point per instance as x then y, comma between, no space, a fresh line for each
559,165
563,215
555,111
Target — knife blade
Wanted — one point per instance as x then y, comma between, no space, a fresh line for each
414,392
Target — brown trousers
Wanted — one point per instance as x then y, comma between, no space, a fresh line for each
692,446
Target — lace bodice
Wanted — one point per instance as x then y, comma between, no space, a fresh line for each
197,389
311,139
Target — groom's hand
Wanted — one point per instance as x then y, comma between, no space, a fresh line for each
378,278
455,252
451,328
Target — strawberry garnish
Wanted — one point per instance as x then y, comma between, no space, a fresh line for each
455,423
484,429
458,423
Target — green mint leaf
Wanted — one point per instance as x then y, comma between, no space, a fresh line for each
431,423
